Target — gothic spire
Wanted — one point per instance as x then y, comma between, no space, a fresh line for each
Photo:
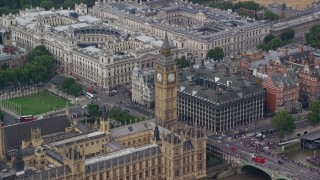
166,44
166,48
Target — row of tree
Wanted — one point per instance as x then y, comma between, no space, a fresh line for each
38,68
271,42
70,86
117,114
216,54
1,116
251,5
285,123
313,36
13,6
247,5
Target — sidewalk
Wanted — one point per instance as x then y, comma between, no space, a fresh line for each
72,99
9,112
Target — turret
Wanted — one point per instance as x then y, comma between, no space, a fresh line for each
75,159
105,57
104,122
36,139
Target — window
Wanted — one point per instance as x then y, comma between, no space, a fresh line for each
177,172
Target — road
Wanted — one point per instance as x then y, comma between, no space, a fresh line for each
244,151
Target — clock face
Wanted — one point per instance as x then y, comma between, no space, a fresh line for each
171,77
159,76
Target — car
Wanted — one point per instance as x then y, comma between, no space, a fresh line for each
84,106
40,117
280,162
220,138
114,91
220,142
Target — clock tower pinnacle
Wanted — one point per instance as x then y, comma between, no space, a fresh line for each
166,87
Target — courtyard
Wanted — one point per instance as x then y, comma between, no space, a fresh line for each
36,104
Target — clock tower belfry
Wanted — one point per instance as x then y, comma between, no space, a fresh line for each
166,86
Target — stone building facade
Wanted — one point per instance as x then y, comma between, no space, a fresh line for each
188,25
301,23
143,87
142,150
217,100
91,50
61,148
11,56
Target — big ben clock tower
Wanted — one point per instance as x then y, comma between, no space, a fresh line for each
166,87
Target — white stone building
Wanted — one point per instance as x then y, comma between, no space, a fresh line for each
143,87
85,47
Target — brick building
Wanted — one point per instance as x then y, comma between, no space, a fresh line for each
306,66
282,88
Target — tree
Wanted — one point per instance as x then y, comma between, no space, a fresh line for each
288,34
183,62
46,5
224,5
245,13
93,110
216,54
66,84
268,38
247,5
1,116
75,89
274,44
313,36
284,123
314,115
268,15
4,66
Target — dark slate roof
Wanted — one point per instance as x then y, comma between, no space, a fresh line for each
122,159
217,86
83,128
115,146
287,80
14,134
312,136
52,173
55,156
57,80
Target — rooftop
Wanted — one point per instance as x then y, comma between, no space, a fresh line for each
118,154
312,136
77,138
74,26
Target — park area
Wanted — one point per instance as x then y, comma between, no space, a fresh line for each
35,104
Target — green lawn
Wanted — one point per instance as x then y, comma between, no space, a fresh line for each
39,103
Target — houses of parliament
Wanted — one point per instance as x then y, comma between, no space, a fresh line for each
62,148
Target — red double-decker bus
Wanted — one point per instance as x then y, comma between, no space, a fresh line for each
26,118
258,159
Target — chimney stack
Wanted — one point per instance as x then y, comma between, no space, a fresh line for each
264,68
311,57
291,59
286,52
301,49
